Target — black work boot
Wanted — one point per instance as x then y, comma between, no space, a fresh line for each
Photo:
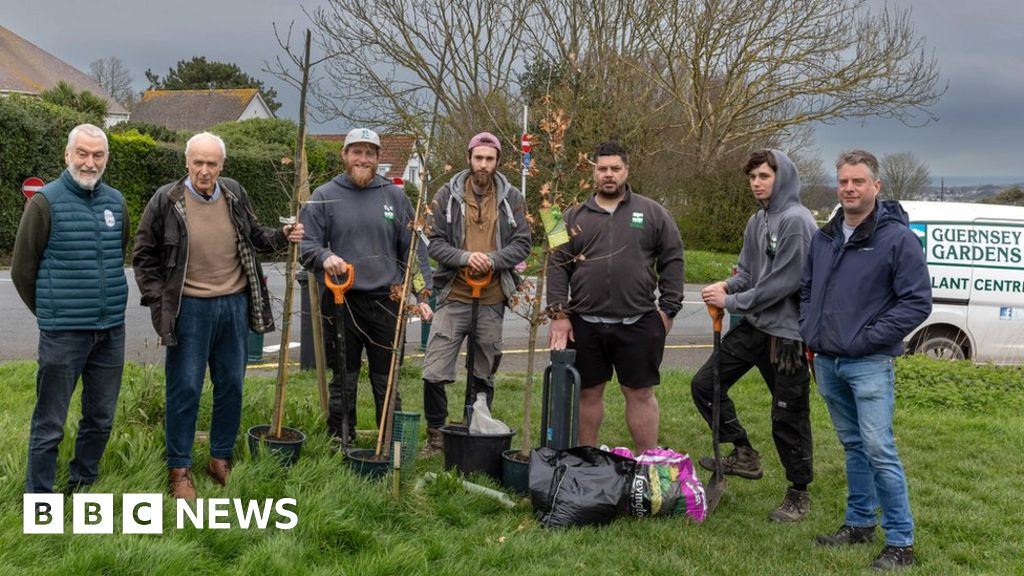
894,558
743,461
795,505
435,443
847,535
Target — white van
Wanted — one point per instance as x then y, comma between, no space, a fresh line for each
975,255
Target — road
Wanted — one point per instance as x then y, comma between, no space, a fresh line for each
688,345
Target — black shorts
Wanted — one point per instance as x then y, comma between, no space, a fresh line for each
634,351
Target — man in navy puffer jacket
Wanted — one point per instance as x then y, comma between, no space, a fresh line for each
864,289
68,268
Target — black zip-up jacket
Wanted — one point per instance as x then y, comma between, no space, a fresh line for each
613,262
161,255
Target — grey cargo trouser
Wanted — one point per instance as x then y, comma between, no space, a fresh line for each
450,326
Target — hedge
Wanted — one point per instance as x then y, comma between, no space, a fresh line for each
35,133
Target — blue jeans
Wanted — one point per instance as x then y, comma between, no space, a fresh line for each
64,355
214,332
859,393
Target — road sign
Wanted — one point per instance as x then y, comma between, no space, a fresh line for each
527,145
31,186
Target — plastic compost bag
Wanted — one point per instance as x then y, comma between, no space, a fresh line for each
481,422
578,486
664,483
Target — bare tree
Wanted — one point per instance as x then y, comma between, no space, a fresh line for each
689,87
115,79
743,71
904,176
397,57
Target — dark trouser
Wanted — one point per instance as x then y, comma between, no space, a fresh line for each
369,322
64,355
211,332
743,348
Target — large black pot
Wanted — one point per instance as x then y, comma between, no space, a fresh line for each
469,453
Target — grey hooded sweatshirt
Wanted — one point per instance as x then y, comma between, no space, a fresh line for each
765,291
367,227
447,234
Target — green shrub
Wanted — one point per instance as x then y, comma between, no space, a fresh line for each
139,165
145,157
31,144
715,213
925,382
158,133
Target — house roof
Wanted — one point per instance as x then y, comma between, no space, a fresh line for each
396,150
193,110
28,69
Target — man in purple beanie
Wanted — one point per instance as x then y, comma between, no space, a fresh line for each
477,222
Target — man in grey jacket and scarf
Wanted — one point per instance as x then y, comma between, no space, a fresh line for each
765,292
478,227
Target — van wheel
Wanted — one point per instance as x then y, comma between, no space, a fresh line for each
941,347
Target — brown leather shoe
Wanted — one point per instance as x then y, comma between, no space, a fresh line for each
181,485
219,469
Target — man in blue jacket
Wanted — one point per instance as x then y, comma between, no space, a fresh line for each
68,268
864,289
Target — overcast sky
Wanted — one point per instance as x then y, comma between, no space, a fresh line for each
979,136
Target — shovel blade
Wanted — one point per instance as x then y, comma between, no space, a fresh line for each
714,491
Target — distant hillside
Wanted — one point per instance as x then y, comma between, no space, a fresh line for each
1012,196
973,193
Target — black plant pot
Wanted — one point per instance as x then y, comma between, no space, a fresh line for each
286,449
469,453
366,463
515,474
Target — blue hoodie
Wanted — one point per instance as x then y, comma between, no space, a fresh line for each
864,296
765,288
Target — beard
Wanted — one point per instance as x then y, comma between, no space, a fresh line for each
613,193
482,178
361,176
86,179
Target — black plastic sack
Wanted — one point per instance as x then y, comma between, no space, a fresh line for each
579,486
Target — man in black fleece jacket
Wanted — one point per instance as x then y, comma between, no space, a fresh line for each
601,295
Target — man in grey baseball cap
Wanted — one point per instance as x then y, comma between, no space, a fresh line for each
360,218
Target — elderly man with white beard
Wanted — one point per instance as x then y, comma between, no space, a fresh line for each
68,268
360,218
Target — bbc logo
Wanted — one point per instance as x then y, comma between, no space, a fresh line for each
144,514
93,514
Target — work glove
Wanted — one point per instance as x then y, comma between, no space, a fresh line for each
788,356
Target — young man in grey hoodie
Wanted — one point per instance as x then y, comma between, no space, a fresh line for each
765,292
361,218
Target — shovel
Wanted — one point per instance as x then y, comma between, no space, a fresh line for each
476,286
339,344
716,487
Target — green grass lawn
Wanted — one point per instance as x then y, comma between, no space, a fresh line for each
961,443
